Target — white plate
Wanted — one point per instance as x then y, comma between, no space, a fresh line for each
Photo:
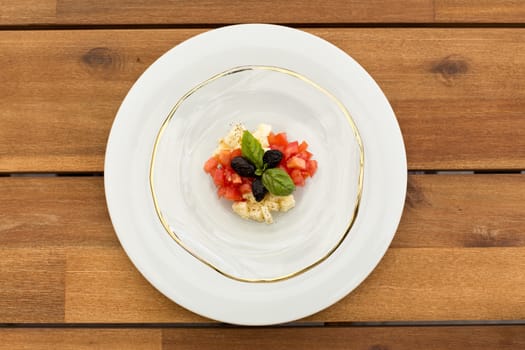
195,285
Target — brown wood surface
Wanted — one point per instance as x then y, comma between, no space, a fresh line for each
358,338
80,339
480,11
185,12
334,338
459,94
455,76
459,254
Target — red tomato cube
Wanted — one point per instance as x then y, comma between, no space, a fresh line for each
297,177
224,158
291,149
236,178
303,146
304,155
311,167
245,188
235,153
296,163
218,177
210,164
221,191
233,194
278,139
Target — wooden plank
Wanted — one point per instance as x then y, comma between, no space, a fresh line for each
102,285
27,12
54,213
479,11
80,339
441,211
183,12
31,285
454,272
416,284
421,284
463,211
215,12
459,108
348,338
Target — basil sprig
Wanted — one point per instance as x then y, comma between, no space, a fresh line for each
276,180
251,149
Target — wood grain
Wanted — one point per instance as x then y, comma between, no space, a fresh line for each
416,284
131,12
32,285
107,282
54,213
80,339
440,211
459,107
479,11
441,265
27,12
184,12
348,338
463,211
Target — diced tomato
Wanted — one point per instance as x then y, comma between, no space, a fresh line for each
297,177
277,147
291,150
218,177
296,163
236,153
228,172
210,164
303,146
245,188
278,139
311,167
225,158
221,191
233,194
304,155
236,178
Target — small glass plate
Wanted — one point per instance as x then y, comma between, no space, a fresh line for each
186,199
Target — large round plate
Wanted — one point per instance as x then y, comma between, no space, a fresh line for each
180,275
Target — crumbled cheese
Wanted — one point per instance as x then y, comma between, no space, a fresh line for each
261,211
233,139
261,134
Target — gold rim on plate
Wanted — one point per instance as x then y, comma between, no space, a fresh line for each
360,180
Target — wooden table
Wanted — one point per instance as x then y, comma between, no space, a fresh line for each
454,276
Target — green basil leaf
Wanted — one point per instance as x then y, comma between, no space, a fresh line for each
278,182
251,149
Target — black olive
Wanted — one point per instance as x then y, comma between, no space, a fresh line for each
243,167
272,158
258,190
